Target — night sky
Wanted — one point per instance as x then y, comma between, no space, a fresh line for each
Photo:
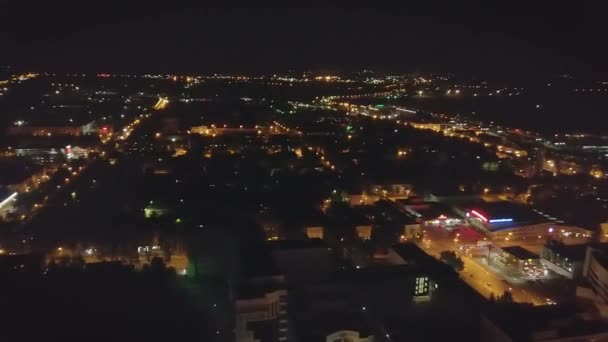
136,36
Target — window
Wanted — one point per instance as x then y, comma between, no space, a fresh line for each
422,286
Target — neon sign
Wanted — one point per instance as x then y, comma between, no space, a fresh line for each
501,220
479,215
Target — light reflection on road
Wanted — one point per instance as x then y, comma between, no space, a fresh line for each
480,277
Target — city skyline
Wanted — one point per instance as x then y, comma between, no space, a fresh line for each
249,173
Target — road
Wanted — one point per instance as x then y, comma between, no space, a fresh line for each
480,277
486,282
161,103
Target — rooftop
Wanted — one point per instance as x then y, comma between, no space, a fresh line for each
260,286
601,255
469,235
506,213
521,322
284,245
430,210
321,324
520,252
390,212
573,252
16,170
58,116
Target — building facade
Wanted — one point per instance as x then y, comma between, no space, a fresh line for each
262,318
595,272
348,336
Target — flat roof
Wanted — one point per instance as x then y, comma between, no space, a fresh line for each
469,235
396,215
58,116
323,324
258,287
508,211
14,170
453,192
520,252
56,141
430,210
574,252
286,245
520,322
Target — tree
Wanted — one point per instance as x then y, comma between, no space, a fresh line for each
339,223
450,258
506,298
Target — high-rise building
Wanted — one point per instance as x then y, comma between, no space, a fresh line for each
595,272
261,311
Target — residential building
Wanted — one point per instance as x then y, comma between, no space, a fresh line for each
565,260
518,261
261,311
595,275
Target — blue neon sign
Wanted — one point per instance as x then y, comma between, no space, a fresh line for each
501,220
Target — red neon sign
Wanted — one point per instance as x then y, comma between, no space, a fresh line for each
479,215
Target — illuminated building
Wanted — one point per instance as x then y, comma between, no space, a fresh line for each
261,311
6,202
75,152
432,214
42,129
595,272
539,323
42,156
430,126
603,232
18,176
314,232
348,336
518,261
377,191
506,221
565,260
364,232
155,210
508,151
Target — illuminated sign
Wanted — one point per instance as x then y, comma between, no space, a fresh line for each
479,215
501,220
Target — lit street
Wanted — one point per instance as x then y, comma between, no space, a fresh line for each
479,276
